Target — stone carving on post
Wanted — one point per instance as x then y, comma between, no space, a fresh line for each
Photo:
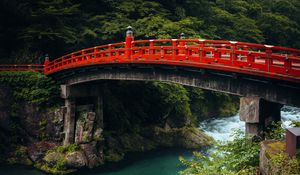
258,114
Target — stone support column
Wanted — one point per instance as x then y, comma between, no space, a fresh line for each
99,110
258,114
69,121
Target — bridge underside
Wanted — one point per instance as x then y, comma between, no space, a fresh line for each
232,83
259,106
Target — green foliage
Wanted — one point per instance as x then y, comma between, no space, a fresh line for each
175,99
61,26
32,87
20,156
65,149
281,163
131,105
275,131
239,156
206,104
58,168
42,129
295,123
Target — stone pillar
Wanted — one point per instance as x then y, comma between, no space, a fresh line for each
69,121
99,110
258,114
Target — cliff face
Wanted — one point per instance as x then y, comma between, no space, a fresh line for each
138,116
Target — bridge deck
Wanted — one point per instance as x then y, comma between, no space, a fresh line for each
238,57
247,58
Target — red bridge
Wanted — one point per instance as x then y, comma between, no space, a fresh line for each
265,76
240,57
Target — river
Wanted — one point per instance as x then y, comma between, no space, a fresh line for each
165,161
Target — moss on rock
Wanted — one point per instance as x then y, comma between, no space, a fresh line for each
20,156
186,137
62,160
113,156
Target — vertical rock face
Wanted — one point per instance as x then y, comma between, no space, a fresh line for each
93,154
27,122
88,134
55,129
85,127
5,107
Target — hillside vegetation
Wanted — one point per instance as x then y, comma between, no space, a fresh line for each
32,28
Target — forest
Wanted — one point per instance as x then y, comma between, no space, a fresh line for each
171,113
30,29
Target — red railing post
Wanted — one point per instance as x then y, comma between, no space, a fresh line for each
182,44
201,49
46,62
128,42
268,60
174,48
233,53
151,49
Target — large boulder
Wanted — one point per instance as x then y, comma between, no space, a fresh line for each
186,137
94,158
53,157
37,150
76,159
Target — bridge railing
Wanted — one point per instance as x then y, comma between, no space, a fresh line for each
22,67
265,60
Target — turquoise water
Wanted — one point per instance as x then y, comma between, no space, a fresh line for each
158,162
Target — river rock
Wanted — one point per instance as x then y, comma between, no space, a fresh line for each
52,158
92,154
76,159
182,137
55,124
37,150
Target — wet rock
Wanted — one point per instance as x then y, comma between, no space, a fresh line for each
181,137
20,156
98,136
54,124
94,159
37,150
76,159
84,127
52,158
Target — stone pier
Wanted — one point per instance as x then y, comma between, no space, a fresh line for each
72,96
258,114
69,121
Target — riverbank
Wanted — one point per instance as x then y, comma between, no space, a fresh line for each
165,161
138,117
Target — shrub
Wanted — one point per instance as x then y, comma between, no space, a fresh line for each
240,156
282,164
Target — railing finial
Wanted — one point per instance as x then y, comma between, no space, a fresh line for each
182,36
46,59
128,41
129,31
